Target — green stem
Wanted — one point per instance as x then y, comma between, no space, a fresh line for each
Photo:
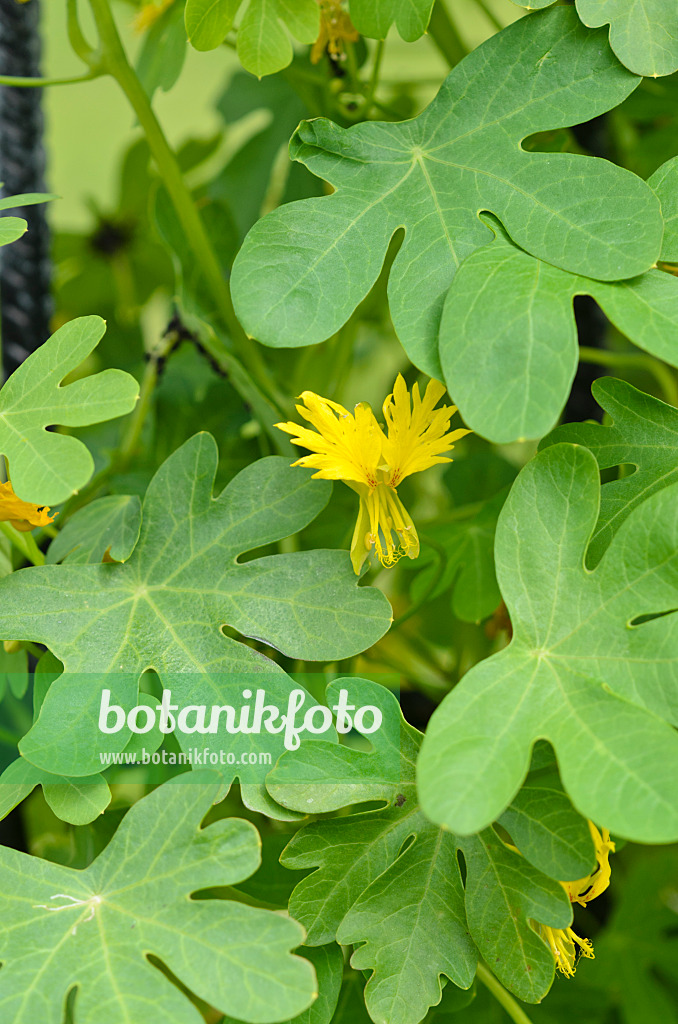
490,15
443,32
24,543
374,77
113,60
515,1012
661,373
130,440
39,83
437,576
352,65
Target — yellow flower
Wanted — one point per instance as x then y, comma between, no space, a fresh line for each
354,448
335,29
563,942
21,514
149,14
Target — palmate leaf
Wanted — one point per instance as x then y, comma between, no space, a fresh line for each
591,667
93,929
643,33
304,268
388,881
643,433
263,41
164,608
47,467
328,963
508,337
77,801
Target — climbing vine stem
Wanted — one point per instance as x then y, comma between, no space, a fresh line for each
112,59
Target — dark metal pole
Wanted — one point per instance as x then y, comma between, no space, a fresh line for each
25,298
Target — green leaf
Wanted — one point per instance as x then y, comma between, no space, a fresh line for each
664,183
209,21
164,608
643,33
547,831
13,669
304,268
94,929
263,42
580,671
77,801
26,199
508,338
643,433
328,963
163,51
374,19
388,881
11,228
254,168
47,467
109,524
504,892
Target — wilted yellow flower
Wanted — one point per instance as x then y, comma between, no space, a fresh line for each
354,448
336,28
563,942
21,514
149,14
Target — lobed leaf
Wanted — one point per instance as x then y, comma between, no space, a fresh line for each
387,880
591,667
304,268
92,930
47,467
508,337
643,433
163,609
643,33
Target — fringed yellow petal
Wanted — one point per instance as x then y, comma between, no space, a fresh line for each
346,446
417,431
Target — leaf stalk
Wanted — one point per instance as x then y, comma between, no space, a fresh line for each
504,998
